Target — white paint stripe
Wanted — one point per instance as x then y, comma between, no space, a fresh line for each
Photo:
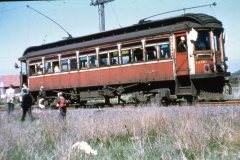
104,68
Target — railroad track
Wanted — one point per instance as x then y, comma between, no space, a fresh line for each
235,102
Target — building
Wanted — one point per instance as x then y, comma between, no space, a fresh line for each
7,80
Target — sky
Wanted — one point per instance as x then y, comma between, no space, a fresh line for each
21,27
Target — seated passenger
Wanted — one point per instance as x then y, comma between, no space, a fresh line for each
39,72
138,54
150,53
56,69
114,61
49,70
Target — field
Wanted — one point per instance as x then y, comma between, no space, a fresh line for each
145,133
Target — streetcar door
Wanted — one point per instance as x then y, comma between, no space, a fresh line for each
181,55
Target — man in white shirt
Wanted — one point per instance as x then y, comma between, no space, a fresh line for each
10,94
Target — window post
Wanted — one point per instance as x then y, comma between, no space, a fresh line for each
132,55
119,53
51,65
88,63
27,68
144,50
109,58
68,64
97,56
158,51
43,65
59,62
78,62
213,51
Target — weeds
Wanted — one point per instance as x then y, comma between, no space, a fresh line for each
128,133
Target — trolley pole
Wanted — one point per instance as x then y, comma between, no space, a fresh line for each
100,4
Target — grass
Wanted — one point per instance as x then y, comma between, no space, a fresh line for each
127,133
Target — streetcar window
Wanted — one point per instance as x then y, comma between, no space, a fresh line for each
73,64
83,62
114,58
164,51
48,68
216,42
203,56
64,66
55,65
32,70
138,54
126,56
103,59
92,61
203,41
151,52
39,68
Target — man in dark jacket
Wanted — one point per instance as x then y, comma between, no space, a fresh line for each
26,105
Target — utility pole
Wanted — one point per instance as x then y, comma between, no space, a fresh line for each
100,4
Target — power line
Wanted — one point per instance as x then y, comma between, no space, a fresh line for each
183,9
115,14
69,35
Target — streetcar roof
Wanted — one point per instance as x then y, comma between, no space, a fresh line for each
162,26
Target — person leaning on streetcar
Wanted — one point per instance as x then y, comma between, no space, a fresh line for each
41,96
182,46
26,104
62,106
10,94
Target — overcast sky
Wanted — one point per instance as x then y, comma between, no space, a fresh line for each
21,27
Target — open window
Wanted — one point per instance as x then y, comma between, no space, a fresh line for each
103,60
126,56
114,58
151,52
64,66
55,65
203,41
83,62
73,64
32,69
40,68
138,54
48,67
92,61
164,51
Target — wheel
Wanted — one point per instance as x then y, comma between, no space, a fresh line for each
165,101
227,89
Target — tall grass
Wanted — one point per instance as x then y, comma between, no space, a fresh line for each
127,133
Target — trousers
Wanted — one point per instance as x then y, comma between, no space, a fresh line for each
10,108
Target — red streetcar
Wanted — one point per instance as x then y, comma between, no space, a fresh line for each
180,57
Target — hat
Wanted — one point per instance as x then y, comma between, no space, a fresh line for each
183,38
41,87
59,94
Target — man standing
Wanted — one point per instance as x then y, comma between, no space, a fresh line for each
26,105
10,94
